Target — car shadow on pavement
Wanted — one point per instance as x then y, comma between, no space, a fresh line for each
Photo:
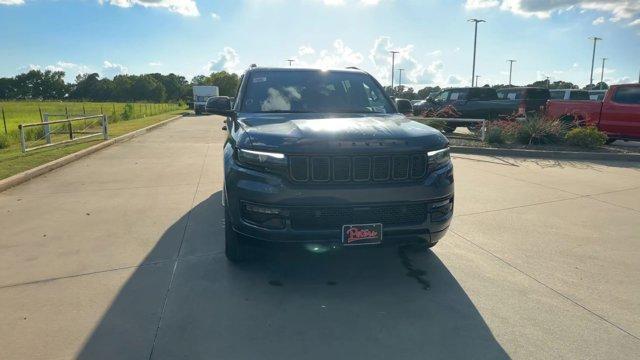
364,303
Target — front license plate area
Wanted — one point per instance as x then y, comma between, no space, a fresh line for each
362,234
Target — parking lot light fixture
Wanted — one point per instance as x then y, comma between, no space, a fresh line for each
593,56
393,62
290,61
475,42
511,61
400,77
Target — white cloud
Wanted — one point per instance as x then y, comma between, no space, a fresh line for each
598,21
110,70
435,53
215,16
155,64
635,22
305,50
416,73
182,7
543,9
338,56
480,4
350,2
227,60
454,80
11,2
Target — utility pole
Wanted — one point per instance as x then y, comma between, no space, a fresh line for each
602,73
593,57
510,68
477,77
393,62
400,77
475,42
290,61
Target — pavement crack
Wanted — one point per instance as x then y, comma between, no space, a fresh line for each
601,317
176,259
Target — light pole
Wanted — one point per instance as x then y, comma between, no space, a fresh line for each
290,61
602,73
400,77
393,62
477,77
475,42
510,69
593,57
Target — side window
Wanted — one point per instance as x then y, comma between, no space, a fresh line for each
458,95
443,96
557,95
578,95
628,95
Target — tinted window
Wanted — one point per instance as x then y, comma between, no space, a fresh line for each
578,95
538,94
313,91
557,95
443,96
482,94
458,95
627,95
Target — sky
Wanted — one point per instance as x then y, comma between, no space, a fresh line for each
547,38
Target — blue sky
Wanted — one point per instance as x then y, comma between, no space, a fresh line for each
190,37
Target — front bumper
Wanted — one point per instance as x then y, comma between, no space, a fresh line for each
433,194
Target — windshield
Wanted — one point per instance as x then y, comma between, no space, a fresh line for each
314,91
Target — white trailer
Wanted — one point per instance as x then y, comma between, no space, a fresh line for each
200,96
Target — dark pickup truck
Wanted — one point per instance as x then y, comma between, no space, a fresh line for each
487,103
323,159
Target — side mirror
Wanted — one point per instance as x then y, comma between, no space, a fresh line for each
219,105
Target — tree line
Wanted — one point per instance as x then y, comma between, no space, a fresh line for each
155,87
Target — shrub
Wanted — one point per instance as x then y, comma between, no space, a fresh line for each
588,137
494,135
128,112
4,141
539,130
436,124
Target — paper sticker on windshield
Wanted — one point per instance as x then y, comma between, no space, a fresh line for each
259,79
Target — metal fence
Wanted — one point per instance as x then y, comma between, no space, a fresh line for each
50,133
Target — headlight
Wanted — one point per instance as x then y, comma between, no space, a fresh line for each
438,158
262,159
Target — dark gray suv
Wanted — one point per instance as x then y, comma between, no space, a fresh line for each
322,158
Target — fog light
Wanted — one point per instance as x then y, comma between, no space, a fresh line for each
266,217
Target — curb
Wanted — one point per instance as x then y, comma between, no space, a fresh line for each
27,175
545,154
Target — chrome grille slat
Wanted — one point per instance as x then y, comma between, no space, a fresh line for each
357,168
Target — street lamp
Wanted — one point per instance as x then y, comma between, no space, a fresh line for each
290,61
475,42
400,77
393,62
593,57
602,73
510,69
477,77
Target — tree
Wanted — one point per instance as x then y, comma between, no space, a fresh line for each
227,83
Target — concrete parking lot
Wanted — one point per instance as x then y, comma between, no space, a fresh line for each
120,256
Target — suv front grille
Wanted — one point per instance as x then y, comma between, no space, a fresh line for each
357,168
332,218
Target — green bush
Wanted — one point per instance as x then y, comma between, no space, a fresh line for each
494,135
588,137
4,141
539,130
128,112
436,124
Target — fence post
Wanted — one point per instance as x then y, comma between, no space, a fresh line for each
105,127
45,127
70,130
40,111
66,112
483,130
84,111
4,120
23,145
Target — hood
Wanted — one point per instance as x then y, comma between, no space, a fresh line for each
336,133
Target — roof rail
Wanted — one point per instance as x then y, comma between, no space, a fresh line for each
353,67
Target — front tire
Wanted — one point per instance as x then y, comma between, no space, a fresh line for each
234,249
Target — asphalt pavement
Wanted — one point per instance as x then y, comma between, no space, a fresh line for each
120,256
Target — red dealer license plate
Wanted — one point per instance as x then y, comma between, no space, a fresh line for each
362,234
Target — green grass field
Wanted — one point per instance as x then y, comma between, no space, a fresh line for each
22,112
13,161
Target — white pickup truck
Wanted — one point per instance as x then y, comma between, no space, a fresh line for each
200,96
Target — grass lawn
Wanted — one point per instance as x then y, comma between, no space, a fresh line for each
13,161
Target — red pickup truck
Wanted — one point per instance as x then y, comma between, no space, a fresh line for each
618,115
